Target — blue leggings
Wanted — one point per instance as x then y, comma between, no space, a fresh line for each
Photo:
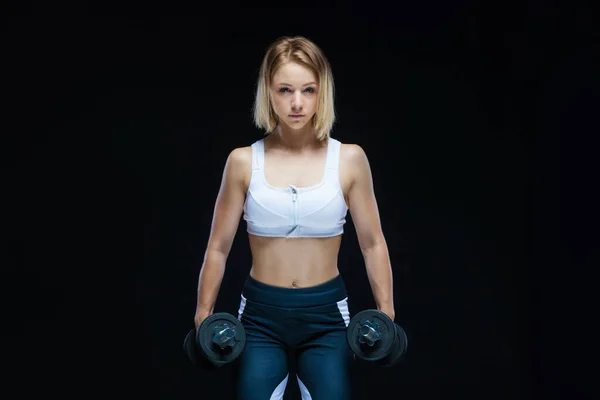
307,325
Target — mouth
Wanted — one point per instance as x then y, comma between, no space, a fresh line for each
296,115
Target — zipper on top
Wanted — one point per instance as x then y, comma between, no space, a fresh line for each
295,202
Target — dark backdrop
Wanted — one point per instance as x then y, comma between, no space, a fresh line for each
119,130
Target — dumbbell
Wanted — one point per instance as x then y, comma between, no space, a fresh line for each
219,340
375,337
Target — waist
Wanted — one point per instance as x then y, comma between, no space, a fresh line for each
328,292
297,254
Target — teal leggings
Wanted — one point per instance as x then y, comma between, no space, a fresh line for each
307,325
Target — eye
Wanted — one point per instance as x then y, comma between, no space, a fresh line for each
310,90
283,90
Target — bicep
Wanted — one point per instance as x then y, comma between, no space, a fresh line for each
228,205
362,202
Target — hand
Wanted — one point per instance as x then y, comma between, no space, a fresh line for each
388,311
199,317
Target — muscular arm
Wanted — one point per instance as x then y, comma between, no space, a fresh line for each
365,215
226,217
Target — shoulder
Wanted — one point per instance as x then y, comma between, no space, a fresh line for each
353,154
354,164
240,156
238,167
239,160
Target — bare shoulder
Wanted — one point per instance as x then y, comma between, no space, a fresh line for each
351,152
354,165
241,157
239,165
353,158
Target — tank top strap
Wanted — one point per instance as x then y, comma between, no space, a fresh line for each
258,154
333,154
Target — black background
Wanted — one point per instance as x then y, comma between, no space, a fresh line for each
117,128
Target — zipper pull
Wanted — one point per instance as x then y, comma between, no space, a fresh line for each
294,193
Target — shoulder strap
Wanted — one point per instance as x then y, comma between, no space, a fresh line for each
258,154
333,153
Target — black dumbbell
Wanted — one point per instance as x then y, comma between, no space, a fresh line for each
219,340
374,337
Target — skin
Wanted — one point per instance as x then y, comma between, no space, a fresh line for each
294,156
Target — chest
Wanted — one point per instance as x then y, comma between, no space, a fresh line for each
304,172
301,171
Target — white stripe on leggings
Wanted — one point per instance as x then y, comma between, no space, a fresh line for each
303,390
280,389
343,307
242,306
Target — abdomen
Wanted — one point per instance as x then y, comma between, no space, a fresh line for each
295,262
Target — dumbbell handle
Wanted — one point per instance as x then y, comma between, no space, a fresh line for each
224,336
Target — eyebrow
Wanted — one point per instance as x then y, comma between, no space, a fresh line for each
306,84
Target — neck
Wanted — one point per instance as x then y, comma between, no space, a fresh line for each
295,140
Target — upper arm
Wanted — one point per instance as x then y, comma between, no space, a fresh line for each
230,201
361,198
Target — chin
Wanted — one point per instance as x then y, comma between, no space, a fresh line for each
298,125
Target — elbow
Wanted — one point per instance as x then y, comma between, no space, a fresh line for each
373,243
221,251
215,256
219,248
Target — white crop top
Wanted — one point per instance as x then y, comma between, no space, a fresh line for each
315,211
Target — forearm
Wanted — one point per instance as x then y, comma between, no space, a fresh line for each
209,281
379,272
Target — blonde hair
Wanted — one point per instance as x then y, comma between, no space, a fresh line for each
304,52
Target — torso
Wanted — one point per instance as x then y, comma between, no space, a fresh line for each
295,262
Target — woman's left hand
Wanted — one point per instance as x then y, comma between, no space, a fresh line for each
389,312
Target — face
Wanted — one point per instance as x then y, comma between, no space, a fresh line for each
294,90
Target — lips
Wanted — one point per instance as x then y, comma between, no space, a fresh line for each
296,115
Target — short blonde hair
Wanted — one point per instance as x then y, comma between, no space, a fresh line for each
304,52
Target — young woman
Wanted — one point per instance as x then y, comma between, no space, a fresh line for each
294,188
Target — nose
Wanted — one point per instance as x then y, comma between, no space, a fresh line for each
297,102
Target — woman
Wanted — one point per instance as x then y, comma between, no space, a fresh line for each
294,188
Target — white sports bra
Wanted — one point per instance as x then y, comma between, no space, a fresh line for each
292,212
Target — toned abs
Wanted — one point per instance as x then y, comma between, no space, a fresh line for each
296,262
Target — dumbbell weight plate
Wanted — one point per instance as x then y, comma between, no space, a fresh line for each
192,350
381,347
398,349
212,351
